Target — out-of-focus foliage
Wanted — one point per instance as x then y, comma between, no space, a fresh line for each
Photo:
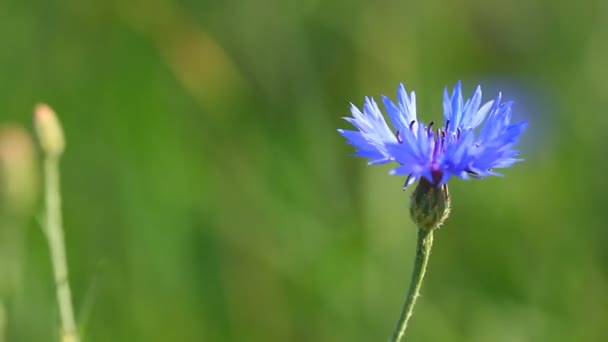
208,197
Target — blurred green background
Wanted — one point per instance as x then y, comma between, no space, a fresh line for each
208,197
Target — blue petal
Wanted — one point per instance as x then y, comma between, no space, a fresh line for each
462,153
456,103
405,170
480,115
472,116
407,103
398,120
380,161
404,154
354,138
447,107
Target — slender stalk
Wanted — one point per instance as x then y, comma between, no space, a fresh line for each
54,233
423,251
2,322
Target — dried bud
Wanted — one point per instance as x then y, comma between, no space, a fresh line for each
49,131
430,204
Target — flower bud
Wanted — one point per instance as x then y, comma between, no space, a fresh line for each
18,176
49,131
430,204
18,189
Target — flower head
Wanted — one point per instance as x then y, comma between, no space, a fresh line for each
459,148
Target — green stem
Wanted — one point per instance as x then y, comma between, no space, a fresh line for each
2,322
54,232
423,251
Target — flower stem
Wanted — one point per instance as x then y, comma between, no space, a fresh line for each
423,251
54,232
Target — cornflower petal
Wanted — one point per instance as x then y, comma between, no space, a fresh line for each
454,150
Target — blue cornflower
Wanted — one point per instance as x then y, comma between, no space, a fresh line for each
475,140
457,149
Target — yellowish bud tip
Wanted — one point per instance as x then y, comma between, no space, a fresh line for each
430,205
49,131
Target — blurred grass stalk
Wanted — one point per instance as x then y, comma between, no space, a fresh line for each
51,140
18,189
2,322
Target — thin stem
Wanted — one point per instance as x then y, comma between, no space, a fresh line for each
54,232
2,322
423,251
